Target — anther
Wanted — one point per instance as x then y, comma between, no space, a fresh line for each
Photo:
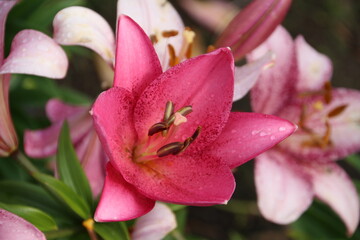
171,33
154,39
157,127
336,111
169,110
171,148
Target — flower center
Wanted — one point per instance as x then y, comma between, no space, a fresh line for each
158,143
315,139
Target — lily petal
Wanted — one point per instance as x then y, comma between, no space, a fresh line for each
82,26
5,7
93,160
35,53
246,135
43,143
8,137
57,110
13,227
314,68
205,82
155,225
156,17
253,25
276,84
135,67
215,15
189,179
344,137
284,191
247,75
333,186
120,201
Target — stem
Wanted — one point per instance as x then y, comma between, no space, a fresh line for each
25,162
67,232
177,235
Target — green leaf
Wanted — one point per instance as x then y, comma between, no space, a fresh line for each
65,194
23,193
69,167
40,219
354,161
112,230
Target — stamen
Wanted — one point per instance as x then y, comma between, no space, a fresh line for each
157,127
171,33
154,39
336,111
327,92
173,59
186,48
326,138
169,110
171,148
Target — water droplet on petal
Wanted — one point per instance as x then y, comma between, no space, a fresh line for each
281,129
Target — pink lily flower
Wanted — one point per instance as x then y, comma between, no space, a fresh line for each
154,225
170,136
32,52
13,227
289,176
241,30
82,26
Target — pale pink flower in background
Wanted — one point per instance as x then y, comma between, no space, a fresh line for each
154,225
32,52
13,227
302,167
43,143
170,136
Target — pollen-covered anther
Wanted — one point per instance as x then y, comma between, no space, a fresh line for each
157,127
170,33
175,148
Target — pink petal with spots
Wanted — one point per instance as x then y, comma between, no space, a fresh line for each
314,68
253,25
344,127
138,66
43,143
119,200
113,120
57,110
155,17
205,82
5,7
284,191
35,53
275,86
13,227
333,186
93,160
247,75
82,26
155,225
185,179
246,135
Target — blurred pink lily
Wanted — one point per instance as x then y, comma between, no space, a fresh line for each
43,143
154,225
13,227
32,52
302,167
170,136
241,30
